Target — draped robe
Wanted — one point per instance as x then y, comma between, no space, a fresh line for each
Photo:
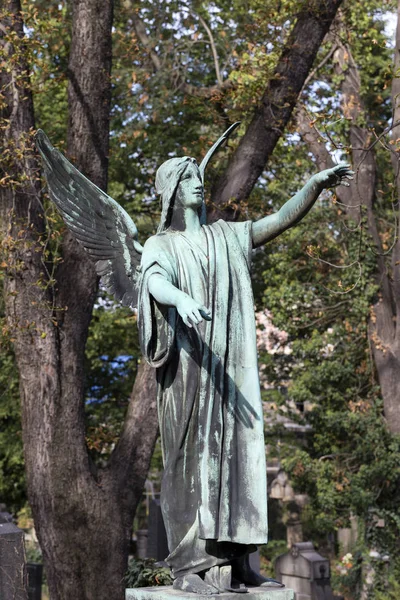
213,495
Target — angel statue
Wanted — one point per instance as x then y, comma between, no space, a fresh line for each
192,286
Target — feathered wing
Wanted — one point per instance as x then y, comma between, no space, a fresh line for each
214,148
100,224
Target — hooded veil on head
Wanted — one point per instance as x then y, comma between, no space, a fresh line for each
167,180
170,173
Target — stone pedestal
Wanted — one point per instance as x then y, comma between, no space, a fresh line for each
168,593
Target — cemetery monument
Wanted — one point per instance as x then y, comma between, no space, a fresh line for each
191,283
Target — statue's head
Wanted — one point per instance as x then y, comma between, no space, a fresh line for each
179,182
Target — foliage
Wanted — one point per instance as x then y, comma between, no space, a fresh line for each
350,577
347,578
145,573
392,591
12,476
112,355
33,553
269,553
350,463
48,28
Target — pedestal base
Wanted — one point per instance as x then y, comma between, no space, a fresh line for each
168,593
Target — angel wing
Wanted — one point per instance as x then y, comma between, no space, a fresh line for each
98,222
214,148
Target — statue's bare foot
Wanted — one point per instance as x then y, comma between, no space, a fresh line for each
243,572
193,583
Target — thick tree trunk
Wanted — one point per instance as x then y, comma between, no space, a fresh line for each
383,327
83,537
83,515
387,326
276,107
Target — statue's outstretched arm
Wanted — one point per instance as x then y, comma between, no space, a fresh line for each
296,208
164,292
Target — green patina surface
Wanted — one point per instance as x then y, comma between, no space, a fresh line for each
197,329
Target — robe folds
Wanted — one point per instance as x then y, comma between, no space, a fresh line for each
213,495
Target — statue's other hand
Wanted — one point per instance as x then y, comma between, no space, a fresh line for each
335,176
192,312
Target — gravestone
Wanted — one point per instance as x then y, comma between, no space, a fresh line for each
5,517
35,575
347,536
306,571
141,543
13,579
157,545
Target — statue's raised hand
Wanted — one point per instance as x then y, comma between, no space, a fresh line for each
335,176
192,312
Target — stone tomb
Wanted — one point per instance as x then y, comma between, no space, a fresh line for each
35,577
157,545
304,569
13,581
168,593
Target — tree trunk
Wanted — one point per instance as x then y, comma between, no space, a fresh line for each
383,327
382,323
83,515
386,328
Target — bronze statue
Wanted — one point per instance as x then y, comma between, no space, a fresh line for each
191,282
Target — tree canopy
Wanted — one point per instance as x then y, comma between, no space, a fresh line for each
181,73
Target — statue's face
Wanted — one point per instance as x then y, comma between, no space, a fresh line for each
190,192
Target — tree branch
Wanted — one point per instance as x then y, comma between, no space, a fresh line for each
314,141
131,457
146,41
364,163
213,50
276,106
323,62
317,147
186,88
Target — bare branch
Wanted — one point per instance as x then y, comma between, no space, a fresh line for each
178,77
213,49
326,262
146,41
317,147
315,142
319,67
